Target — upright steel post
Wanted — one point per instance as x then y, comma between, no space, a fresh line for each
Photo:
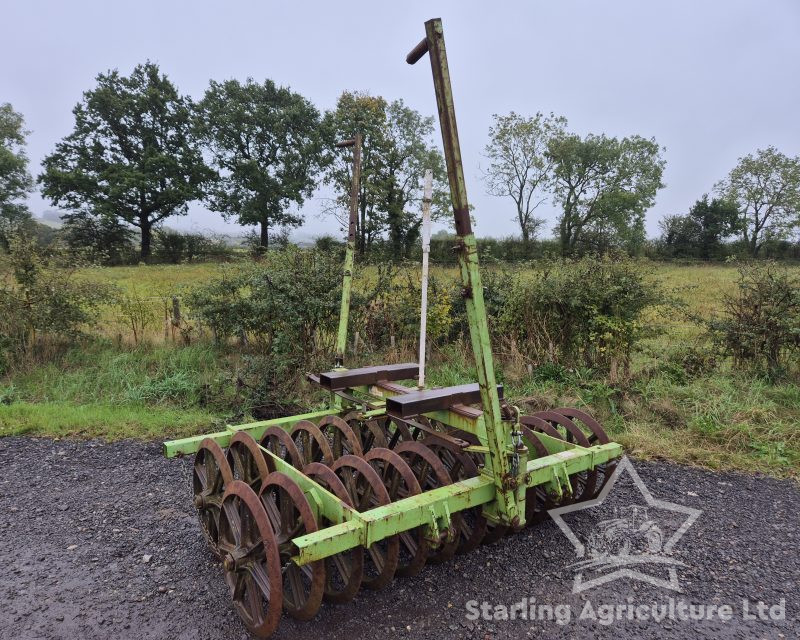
498,434
347,281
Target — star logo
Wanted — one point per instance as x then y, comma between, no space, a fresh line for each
630,542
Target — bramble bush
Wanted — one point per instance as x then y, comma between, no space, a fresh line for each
589,312
760,327
40,299
283,310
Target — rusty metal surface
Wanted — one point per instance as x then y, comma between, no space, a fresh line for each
338,380
366,490
343,571
417,402
290,515
401,482
251,560
211,473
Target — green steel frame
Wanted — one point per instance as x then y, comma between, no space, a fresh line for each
506,474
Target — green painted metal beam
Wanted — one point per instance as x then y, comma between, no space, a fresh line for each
347,280
427,508
380,523
498,434
186,446
322,501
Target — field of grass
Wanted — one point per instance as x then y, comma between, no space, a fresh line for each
720,418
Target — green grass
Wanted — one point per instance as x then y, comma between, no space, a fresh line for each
111,422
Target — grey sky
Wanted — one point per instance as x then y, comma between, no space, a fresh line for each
711,81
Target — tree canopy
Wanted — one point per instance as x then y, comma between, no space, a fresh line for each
266,144
132,155
603,184
519,165
397,149
701,232
15,181
766,189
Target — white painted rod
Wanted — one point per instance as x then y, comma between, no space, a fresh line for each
426,249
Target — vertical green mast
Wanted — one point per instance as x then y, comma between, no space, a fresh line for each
347,282
472,289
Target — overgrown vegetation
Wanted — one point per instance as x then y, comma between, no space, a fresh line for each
588,313
760,327
41,300
589,333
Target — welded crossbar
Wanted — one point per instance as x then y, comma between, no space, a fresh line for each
186,446
430,508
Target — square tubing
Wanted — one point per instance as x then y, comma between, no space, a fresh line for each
430,507
498,435
185,446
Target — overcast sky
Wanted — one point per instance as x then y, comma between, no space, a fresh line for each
711,81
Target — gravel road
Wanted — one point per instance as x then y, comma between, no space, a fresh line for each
100,541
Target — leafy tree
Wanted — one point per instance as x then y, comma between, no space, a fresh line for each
100,239
266,145
15,181
408,154
680,235
357,113
520,167
701,232
766,189
716,220
397,149
131,155
603,182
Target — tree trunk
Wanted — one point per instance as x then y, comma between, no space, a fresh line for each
147,234
264,240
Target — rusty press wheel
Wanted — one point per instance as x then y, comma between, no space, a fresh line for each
311,443
400,482
367,491
431,474
290,515
281,444
247,460
472,525
345,570
250,559
371,432
596,435
211,473
343,439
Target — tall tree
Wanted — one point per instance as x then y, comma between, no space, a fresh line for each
701,232
15,181
408,154
766,189
131,156
357,113
716,220
603,183
520,167
397,149
266,145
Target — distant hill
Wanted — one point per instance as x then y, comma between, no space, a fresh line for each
51,218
